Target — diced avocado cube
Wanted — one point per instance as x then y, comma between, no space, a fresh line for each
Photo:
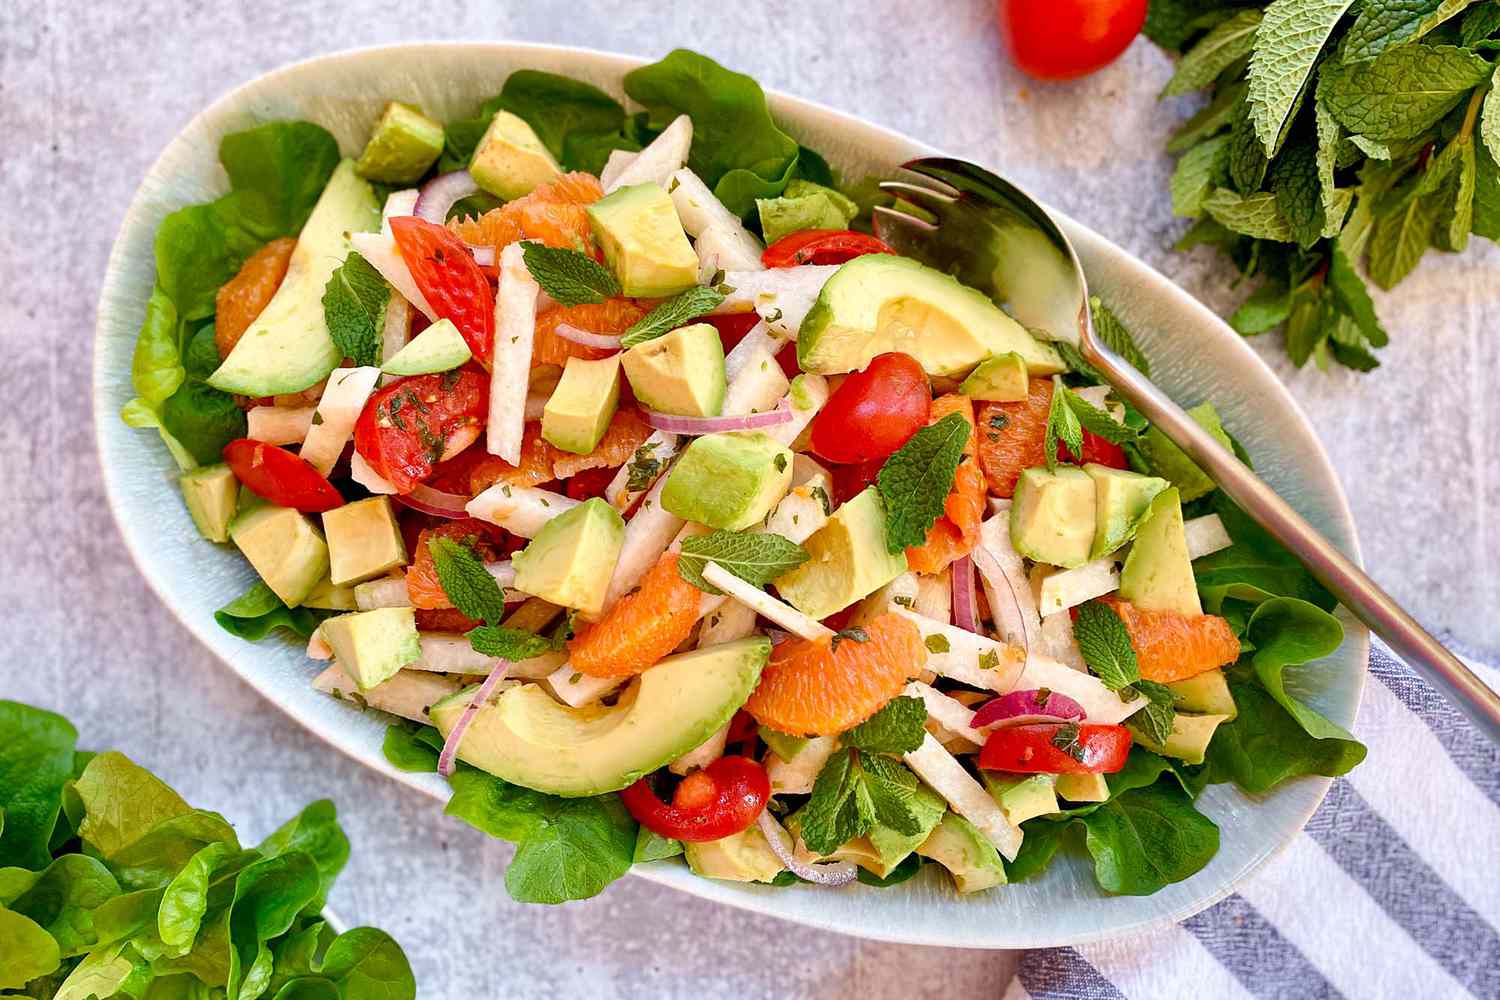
1001,379
848,560
740,857
327,597
1052,516
728,481
968,855
1158,571
1122,499
1082,787
285,548
211,493
804,205
1171,462
571,559
405,144
1207,693
1189,739
644,241
681,372
1022,796
439,348
364,541
510,161
579,410
782,745
372,646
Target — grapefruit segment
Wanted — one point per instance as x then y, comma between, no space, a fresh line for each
422,585
241,298
1012,437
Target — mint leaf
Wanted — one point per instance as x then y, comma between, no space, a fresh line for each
1479,24
1105,644
1255,215
1266,308
1228,42
1160,711
1486,194
1294,180
916,480
757,558
1404,230
568,276
1381,26
1095,420
1247,157
1287,46
896,728
1352,297
1062,425
354,304
513,644
1404,91
1489,119
696,301
643,469
1201,169
1212,119
1336,202
1108,328
840,808
467,583
891,787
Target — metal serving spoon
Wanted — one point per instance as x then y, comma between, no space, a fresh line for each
993,236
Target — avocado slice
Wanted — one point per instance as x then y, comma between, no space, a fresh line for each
804,205
1158,572
211,493
284,547
1052,516
1207,693
970,858
570,560
1001,379
880,303
287,348
1021,796
1171,462
439,348
644,242
740,857
372,646
729,481
1189,739
1082,787
526,737
510,161
404,145
1122,499
848,560
364,541
681,373
579,410
785,746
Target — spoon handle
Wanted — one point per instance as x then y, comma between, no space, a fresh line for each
1346,581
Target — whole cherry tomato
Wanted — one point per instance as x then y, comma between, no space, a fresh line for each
1063,39
447,274
821,246
404,427
277,475
1095,449
873,412
1056,748
718,801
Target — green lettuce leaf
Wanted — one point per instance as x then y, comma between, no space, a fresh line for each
36,760
258,612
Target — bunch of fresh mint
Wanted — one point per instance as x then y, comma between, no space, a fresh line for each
112,885
1336,131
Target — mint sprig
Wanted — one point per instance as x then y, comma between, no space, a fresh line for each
569,277
757,558
354,302
1093,419
1156,719
467,583
916,480
696,301
511,644
1105,644
1062,425
896,728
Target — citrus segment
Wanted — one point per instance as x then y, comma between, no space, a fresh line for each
955,533
534,469
612,316
627,429
643,626
1011,437
1170,646
241,298
552,214
422,585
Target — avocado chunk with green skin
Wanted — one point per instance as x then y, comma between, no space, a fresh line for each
1001,379
1189,739
740,857
968,855
1206,693
644,242
439,348
1022,796
880,303
1122,499
1052,516
1082,787
1171,462
579,410
883,848
287,348
570,560
526,737
804,205
211,493
372,646
364,541
782,745
405,144
510,160
680,373
728,481
285,548
1158,571
848,560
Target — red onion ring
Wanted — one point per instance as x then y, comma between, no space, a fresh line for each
455,735
434,502
602,341
836,873
993,568
484,255
964,614
439,195
1023,707
673,424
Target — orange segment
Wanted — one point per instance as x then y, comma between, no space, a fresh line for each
612,316
1171,646
814,687
954,534
537,457
422,584
242,297
1011,437
627,429
542,463
553,214
643,626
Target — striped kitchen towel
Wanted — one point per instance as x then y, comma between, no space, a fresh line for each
1393,890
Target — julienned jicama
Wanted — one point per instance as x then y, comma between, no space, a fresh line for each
802,561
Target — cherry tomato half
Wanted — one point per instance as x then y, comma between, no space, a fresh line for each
589,483
1095,449
718,801
850,480
821,246
404,427
447,274
1063,39
277,475
1056,748
873,412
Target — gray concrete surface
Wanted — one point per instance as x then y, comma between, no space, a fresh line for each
89,93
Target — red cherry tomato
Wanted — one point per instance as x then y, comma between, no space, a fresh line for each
742,727
1063,39
589,483
1095,449
874,411
732,329
850,480
1056,748
821,246
454,284
718,801
280,477
404,427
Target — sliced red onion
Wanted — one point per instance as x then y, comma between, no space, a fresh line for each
503,572
439,195
603,341
1023,707
837,873
484,255
456,734
993,569
965,616
434,502
777,636
673,424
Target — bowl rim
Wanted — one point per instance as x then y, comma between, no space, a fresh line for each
729,893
